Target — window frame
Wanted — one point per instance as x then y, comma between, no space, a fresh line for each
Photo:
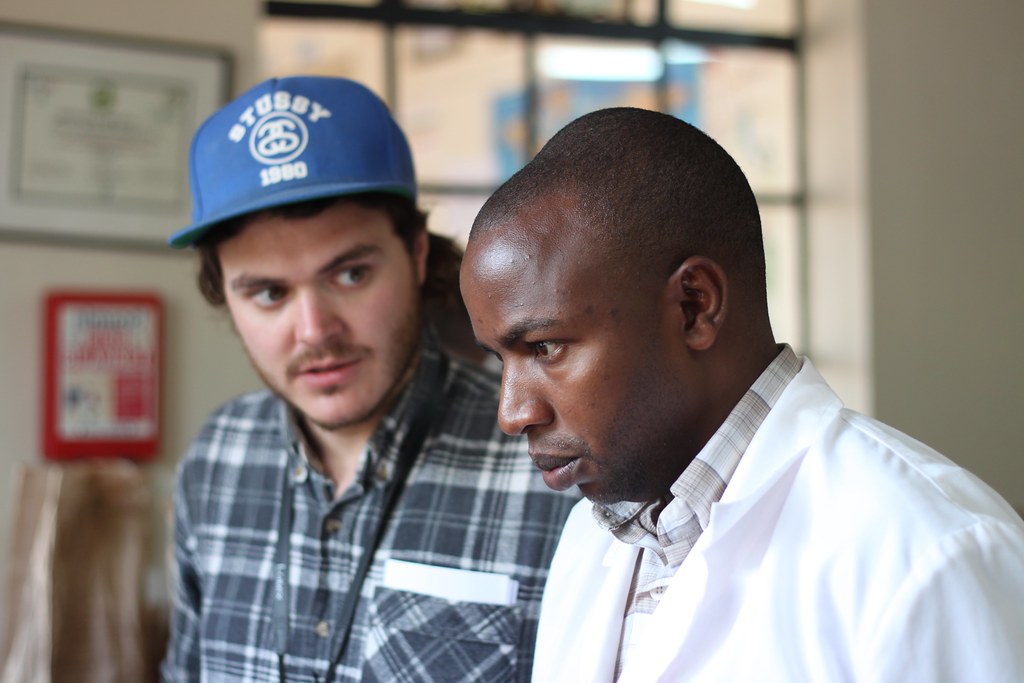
392,14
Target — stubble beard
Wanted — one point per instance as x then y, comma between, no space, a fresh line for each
618,473
623,482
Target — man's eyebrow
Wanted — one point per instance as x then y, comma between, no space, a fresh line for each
246,282
357,252
517,331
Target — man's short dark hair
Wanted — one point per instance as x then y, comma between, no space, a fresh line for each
653,190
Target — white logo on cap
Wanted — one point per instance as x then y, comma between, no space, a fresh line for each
278,126
278,137
278,134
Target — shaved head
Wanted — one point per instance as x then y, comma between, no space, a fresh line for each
650,188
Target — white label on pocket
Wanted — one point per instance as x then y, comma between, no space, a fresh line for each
457,585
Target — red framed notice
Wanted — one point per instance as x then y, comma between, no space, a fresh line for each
103,375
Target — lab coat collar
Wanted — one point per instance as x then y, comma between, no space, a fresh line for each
783,438
741,526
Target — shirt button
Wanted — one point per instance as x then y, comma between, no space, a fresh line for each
332,525
300,473
383,471
322,629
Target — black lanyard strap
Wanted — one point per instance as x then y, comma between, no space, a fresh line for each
281,593
411,446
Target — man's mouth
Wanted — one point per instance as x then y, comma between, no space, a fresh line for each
559,472
325,366
326,372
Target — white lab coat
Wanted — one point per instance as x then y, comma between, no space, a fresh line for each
842,550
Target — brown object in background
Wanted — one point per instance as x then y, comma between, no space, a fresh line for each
75,591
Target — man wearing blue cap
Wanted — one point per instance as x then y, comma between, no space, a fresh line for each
363,518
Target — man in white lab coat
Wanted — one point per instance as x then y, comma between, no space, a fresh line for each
742,525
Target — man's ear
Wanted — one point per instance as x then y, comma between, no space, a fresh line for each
420,250
699,288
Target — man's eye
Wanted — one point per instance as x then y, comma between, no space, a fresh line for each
353,276
544,349
268,296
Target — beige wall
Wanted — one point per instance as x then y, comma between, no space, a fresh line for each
916,230
945,106
204,365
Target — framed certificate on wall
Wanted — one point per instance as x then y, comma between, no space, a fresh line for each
96,132
102,375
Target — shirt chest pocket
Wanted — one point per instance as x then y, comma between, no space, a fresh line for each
416,637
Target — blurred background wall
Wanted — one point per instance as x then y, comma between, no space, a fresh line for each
203,362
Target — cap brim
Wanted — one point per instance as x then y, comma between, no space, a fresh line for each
189,236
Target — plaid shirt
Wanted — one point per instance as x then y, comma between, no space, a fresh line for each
473,501
668,528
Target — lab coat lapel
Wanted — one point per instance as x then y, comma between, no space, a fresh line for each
706,593
592,558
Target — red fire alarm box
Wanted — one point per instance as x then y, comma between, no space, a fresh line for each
102,374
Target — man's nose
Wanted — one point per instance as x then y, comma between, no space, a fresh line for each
316,319
521,406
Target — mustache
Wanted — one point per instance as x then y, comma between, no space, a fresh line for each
331,350
559,444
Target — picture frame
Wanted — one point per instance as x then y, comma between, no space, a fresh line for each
102,375
96,132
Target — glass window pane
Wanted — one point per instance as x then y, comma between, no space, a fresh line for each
745,99
781,226
323,47
451,215
776,17
577,76
460,101
643,12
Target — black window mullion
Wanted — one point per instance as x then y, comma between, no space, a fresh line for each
391,11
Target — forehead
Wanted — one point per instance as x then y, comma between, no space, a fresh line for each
272,236
541,264
539,242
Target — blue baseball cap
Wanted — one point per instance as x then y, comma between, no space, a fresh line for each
289,140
